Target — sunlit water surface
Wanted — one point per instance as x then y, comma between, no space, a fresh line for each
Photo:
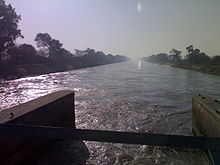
131,96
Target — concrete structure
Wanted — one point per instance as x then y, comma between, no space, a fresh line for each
56,109
206,122
206,116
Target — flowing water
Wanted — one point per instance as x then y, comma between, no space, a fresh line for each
131,96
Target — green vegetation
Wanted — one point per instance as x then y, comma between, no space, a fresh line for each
9,26
18,60
194,59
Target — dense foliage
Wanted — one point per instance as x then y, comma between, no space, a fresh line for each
193,57
18,60
49,50
9,30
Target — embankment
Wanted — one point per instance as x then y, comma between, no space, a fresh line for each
9,72
210,69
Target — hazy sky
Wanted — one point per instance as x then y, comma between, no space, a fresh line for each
134,28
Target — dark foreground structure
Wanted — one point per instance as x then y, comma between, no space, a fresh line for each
55,110
27,130
206,122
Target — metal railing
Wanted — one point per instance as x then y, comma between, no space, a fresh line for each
200,142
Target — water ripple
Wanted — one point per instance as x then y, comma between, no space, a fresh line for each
155,99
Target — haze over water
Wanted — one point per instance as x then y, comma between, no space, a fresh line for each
129,96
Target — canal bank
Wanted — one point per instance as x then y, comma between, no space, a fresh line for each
209,69
10,72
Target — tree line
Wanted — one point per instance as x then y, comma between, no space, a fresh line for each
49,50
193,57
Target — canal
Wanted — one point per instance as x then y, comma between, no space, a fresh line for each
131,96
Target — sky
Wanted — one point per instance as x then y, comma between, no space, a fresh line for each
134,28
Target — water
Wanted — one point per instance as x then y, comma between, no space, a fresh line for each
131,96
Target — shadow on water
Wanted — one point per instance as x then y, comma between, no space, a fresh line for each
67,152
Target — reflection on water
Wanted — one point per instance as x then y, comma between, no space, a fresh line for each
130,96
139,64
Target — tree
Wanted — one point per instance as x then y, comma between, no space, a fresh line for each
191,56
66,55
161,57
43,40
89,56
194,56
90,52
189,48
9,30
216,60
79,53
203,58
54,47
175,55
22,54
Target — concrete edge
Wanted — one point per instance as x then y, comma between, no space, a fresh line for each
14,112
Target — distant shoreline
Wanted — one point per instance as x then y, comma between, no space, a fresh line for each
209,69
12,72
